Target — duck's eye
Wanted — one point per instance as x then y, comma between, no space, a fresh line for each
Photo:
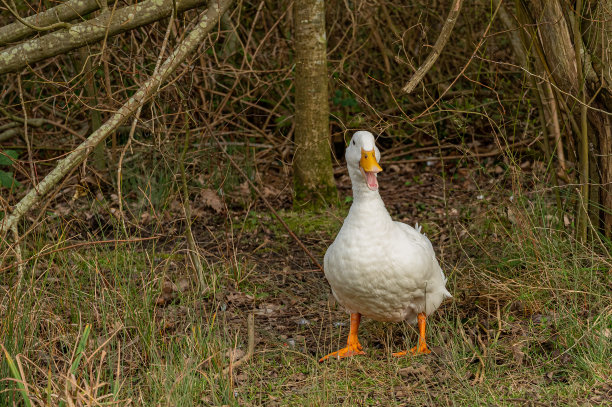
353,142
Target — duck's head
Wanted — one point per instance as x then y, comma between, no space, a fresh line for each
362,156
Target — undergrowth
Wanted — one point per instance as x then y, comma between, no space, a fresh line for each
530,320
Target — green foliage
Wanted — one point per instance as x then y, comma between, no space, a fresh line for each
18,379
345,99
300,222
283,122
7,158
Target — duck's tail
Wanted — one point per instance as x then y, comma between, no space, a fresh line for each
447,294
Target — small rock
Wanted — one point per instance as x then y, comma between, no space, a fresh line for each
267,309
303,321
338,324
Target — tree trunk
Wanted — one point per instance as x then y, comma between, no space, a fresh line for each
597,32
313,176
553,23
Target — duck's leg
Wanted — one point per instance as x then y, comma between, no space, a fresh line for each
353,347
422,345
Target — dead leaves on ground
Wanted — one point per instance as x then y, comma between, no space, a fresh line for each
211,199
170,291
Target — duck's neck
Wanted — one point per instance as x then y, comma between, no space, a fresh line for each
365,200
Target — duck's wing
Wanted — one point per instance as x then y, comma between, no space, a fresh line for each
415,235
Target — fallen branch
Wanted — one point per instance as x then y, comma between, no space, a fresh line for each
89,32
207,21
451,19
468,154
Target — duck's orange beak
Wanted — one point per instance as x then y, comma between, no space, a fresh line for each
368,161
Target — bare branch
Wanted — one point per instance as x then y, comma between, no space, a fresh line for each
437,48
67,11
89,32
33,27
195,38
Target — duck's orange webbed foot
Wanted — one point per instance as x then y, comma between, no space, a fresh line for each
421,348
417,350
353,347
349,350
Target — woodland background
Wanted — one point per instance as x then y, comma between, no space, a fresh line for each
146,159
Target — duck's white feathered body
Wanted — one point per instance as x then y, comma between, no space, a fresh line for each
379,268
390,275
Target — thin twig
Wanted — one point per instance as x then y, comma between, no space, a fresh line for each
250,345
436,50
193,253
51,27
583,211
20,263
135,120
465,67
25,132
276,215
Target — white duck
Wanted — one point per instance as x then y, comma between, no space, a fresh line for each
376,267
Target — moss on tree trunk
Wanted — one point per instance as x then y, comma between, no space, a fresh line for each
313,178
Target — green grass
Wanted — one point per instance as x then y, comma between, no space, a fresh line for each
302,223
531,320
